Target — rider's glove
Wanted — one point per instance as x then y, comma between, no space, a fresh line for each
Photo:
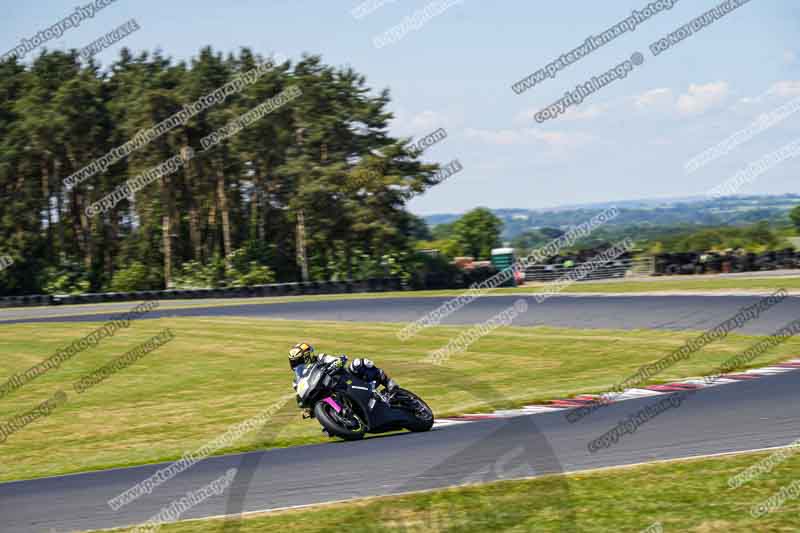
333,362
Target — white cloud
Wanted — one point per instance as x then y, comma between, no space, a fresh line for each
557,139
528,136
661,98
420,124
427,121
585,113
748,100
779,89
500,137
785,89
702,97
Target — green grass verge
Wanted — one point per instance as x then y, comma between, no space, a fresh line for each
221,371
690,283
686,496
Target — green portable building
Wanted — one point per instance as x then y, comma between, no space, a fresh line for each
502,259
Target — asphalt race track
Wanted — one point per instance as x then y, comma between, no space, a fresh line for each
611,312
742,416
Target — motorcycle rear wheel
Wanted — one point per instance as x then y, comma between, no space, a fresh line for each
328,418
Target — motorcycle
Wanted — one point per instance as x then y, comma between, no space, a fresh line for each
348,407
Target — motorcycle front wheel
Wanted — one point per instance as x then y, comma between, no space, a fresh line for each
423,415
345,427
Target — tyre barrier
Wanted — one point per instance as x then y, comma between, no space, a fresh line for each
269,290
689,263
26,301
669,264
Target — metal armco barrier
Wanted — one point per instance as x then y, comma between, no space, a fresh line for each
613,269
273,289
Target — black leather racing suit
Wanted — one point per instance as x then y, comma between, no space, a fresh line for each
364,369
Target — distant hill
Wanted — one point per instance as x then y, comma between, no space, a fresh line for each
701,211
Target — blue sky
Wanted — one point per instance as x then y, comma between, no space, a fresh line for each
629,140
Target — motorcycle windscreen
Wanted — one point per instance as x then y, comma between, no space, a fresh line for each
307,384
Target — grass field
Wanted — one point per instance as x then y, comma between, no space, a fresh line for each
221,371
686,496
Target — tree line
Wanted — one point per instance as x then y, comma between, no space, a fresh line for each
317,189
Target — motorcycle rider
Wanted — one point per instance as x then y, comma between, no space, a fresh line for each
302,354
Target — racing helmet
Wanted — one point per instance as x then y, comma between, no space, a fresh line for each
300,354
